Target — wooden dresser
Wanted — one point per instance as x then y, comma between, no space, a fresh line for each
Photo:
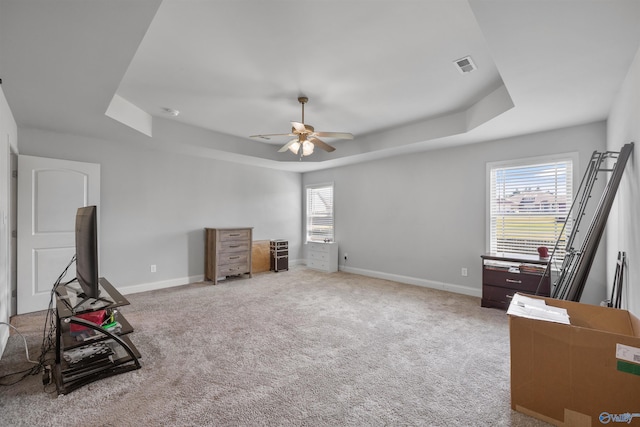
505,274
322,256
227,252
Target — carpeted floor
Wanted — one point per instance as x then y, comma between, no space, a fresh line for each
295,348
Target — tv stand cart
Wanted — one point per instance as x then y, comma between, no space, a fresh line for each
90,353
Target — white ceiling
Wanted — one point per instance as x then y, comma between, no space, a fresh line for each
382,70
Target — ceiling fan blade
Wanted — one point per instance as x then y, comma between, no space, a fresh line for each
322,144
299,127
286,146
269,135
339,135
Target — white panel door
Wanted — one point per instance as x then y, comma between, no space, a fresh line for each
49,193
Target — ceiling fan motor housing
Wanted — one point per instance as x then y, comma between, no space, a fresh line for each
309,129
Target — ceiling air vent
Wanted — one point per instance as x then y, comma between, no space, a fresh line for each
465,65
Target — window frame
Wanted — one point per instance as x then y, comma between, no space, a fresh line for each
307,218
572,157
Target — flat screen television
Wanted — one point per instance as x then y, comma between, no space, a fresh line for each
87,252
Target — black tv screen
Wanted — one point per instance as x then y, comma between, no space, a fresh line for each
87,251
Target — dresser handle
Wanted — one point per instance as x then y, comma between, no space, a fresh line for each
234,257
234,246
234,234
513,281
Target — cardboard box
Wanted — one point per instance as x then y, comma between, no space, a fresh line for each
583,374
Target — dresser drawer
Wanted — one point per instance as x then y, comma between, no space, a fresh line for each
319,247
242,235
318,256
520,281
234,246
318,264
232,258
232,269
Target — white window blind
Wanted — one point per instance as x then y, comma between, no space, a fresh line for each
320,213
529,205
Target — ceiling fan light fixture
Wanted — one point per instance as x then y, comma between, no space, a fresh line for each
307,148
295,147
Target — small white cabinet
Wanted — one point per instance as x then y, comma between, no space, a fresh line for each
322,256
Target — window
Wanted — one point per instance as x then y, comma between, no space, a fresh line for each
529,205
320,213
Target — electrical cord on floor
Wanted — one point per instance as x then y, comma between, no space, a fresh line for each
48,337
5,380
26,348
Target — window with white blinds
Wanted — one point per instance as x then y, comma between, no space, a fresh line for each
320,213
529,205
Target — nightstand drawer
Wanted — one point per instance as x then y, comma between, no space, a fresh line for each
495,296
521,281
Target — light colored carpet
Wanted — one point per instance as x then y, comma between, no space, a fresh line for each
295,348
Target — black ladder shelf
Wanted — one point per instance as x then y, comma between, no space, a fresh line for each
577,262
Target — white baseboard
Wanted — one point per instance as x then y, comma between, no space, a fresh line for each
152,286
458,289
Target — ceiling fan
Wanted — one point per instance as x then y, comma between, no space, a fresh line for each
306,137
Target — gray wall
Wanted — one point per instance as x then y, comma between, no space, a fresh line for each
624,228
421,218
155,205
417,219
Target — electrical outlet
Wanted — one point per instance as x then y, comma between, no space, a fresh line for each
153,268
464,272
